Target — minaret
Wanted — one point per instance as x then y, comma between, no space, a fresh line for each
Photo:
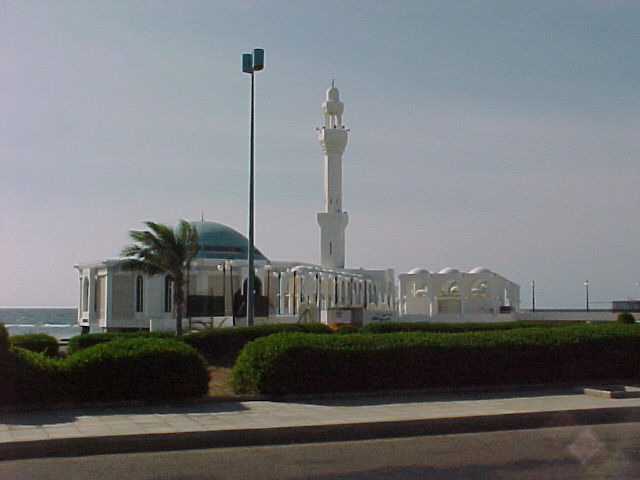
333,138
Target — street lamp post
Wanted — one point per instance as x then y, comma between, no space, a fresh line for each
586,291
233,306
251,62
223,268
533,295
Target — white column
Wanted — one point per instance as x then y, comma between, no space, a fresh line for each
108,297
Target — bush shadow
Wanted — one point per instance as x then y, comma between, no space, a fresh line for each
69,415
385,398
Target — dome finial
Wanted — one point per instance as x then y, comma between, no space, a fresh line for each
333,82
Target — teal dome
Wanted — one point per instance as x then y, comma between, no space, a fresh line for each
218,241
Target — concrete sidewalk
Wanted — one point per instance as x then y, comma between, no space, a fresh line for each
89,431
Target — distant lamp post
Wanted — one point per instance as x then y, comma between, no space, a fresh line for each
251,62
586,292
233,306
533,295
222,267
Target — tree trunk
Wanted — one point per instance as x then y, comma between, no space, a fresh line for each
179,300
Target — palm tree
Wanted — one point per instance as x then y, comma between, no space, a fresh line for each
163,250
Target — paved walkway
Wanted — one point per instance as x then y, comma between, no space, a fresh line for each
87,431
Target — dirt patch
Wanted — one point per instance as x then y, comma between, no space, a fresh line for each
219,377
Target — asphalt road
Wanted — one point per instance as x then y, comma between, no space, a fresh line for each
586,452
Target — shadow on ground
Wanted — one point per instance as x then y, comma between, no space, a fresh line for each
53,417
364,399
476,472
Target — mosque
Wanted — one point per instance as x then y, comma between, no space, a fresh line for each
112,299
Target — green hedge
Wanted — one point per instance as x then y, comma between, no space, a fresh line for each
137,367
391,327
225,343
36,342
347,329
128,367
30,378
625,317
294,363
80,342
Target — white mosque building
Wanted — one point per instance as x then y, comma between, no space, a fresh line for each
112,299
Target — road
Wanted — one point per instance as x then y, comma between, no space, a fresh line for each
587,452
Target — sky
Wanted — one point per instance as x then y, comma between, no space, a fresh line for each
502,134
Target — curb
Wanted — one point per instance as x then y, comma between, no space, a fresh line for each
76,447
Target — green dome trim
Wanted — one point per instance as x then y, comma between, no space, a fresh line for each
218,241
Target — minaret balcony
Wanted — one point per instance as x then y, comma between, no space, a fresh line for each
333,141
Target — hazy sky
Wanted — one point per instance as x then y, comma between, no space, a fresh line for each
497,134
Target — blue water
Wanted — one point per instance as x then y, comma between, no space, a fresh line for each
57,322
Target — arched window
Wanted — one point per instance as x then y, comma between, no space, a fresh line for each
168,294
85,295
139,293
480,288
257,286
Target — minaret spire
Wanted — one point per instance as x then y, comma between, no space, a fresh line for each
333,137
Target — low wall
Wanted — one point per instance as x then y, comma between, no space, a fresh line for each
274,319
379,316
456,318
570,315
165,325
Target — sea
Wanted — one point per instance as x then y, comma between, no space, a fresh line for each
57,322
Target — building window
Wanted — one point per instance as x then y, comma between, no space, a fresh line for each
85,295
139,294
168,294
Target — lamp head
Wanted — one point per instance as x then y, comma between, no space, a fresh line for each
258,59
247,63
253,62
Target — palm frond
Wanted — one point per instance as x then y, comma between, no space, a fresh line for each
141,266
162,249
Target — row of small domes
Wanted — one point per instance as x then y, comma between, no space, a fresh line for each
448,270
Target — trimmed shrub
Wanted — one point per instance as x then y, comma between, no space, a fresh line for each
315,327
136,367
4,340
335,326
36,342
224,344
294,363
80,342
347,329
625,317
391,327
30,378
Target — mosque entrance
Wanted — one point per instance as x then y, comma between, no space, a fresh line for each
260,304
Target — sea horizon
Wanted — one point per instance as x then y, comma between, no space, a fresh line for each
59,322
35,308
